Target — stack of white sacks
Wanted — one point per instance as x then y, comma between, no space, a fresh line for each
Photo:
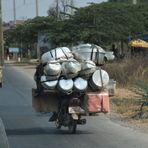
65,72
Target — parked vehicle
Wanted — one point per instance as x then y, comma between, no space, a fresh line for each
109,56
88,51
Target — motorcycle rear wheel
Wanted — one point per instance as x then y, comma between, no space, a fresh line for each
72,127
58,125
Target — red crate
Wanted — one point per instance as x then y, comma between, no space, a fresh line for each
97,102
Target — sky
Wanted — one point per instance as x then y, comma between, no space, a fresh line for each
25,9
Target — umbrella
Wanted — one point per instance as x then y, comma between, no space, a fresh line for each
138,43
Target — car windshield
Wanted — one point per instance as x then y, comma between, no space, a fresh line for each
88,47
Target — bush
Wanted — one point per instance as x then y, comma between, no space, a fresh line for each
129,71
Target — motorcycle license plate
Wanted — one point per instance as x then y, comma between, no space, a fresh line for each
73,110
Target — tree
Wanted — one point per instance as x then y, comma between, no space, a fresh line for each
52,12
102,24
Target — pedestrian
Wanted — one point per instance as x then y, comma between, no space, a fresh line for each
37,77
115,50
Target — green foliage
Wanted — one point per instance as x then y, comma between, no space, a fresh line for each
98,23
113,22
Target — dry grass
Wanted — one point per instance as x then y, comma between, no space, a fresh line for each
127,103
129,71
131,76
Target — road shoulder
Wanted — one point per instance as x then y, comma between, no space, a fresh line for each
3,137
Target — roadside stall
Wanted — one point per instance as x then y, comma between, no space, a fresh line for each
14,54
138,46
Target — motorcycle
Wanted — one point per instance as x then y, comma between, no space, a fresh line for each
69,114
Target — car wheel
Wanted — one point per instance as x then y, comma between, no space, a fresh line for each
105,60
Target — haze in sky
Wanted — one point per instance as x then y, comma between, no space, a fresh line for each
26,8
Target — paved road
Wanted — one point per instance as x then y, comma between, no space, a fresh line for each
27,129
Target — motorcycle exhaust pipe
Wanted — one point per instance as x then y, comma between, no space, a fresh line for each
81,121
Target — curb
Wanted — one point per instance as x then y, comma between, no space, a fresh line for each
3,137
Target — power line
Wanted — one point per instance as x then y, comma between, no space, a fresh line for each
24,4
14,11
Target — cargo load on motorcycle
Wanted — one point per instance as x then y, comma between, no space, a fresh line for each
71,84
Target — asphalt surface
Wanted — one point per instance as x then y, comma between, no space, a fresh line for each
3,138
27,129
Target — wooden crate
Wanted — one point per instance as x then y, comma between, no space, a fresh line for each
45,102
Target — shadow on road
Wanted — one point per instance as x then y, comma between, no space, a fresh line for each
42,131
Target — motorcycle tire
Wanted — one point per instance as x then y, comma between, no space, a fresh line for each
72,127
58,125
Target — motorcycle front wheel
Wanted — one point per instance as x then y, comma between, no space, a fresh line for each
72,127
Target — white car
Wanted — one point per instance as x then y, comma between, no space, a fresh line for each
107,55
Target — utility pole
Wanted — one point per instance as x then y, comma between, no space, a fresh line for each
14,11
1,44
57,8
1,35
37,8
37,14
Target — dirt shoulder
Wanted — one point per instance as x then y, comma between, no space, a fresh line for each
125,109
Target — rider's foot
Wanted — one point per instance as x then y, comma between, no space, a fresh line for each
53,117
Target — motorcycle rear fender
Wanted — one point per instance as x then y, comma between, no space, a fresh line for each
75,116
